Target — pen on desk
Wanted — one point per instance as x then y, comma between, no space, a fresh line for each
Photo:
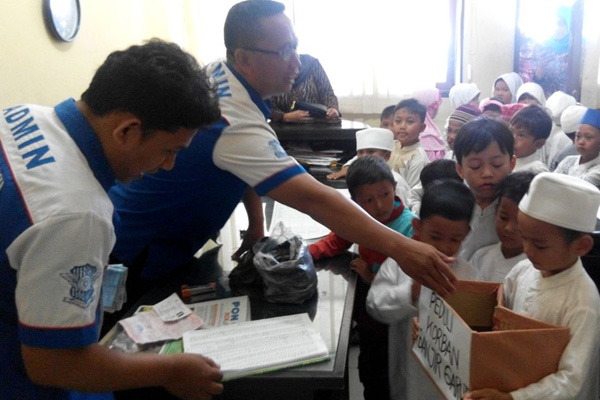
189,291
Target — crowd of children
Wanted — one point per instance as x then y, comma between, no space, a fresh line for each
513,199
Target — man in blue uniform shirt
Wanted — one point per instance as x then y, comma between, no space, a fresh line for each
167,217
143,105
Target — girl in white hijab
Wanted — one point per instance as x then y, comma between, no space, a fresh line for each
531,93
464,93
506,87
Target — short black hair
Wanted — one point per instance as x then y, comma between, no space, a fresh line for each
412,106
571,235
515,185
535,120
367,170
477,134
159,83
438,170
243,27
387,112
449,199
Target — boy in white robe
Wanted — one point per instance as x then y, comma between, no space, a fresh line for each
552,286
484,157
446,210
496,260
587,142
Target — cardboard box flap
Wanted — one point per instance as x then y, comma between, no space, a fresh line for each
509,360
505,320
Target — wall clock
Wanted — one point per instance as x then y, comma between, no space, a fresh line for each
62,18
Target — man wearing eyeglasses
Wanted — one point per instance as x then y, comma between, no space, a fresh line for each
167,217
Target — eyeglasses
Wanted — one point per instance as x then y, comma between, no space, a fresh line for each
286,53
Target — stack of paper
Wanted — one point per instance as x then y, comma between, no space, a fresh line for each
229,311
113,287
168,320
260,346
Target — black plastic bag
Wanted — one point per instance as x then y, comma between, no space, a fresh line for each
286,267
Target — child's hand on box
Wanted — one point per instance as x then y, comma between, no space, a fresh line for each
362,269
487,394
415,328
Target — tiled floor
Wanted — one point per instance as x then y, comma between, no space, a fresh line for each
356,389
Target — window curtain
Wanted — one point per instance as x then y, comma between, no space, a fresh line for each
374,52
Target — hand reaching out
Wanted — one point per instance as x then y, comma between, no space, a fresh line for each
362,269
332,113
195,377
338,175
298,115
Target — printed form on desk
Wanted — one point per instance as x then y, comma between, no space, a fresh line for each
259,346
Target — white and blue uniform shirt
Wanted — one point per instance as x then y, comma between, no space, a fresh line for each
171,214
57,234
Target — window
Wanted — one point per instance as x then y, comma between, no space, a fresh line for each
378,51
374,52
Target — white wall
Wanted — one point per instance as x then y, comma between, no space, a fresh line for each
35,68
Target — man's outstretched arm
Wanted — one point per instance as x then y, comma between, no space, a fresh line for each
420,261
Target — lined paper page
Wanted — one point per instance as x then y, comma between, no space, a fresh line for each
258,346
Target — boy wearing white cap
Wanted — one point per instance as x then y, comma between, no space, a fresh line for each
377,142
557,103
555,217
570,120
587,142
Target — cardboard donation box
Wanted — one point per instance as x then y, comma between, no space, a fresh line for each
470,341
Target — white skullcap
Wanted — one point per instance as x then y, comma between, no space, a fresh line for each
534,90
571,118
562,200
375,138
557,103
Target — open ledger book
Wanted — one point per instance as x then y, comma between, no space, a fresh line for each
259,346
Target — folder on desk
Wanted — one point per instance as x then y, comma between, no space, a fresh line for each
315,110
256,347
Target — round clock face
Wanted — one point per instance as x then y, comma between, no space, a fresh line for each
62,17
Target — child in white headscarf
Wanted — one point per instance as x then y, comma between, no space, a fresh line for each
531,93
506,87
464,93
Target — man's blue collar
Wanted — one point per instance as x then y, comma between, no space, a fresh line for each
263,105
84,136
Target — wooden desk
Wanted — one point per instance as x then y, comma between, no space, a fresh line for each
343,132
321,136
330,310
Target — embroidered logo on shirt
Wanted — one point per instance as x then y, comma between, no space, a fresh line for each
277,149
82,280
